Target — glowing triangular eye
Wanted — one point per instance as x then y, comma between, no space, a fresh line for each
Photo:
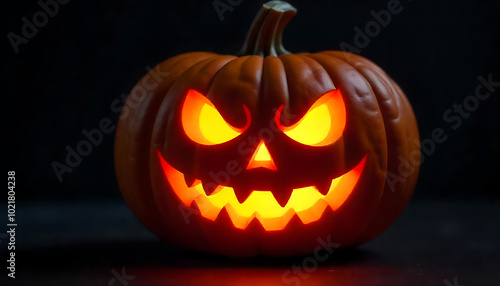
203,124
322,124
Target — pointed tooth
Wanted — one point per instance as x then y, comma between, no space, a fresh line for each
242,194
324,187
194,207
255,226
209,187
189,179
282,196
295,224
223,218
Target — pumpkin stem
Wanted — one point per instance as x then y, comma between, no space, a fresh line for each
266,32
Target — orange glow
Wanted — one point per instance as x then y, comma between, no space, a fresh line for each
202,122
322,124
307,203
261,158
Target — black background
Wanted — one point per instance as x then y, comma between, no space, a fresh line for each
91,52
66,77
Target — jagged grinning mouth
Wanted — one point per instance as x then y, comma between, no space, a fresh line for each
307,202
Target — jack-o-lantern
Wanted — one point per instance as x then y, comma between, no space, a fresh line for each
267,152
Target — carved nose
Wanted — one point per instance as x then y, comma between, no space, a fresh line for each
261,158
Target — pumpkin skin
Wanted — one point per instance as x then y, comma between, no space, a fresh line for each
248,91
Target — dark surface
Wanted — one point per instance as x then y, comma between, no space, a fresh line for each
80,244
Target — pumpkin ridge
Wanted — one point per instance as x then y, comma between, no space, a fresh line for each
400,102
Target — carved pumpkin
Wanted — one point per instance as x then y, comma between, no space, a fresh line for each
267,152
